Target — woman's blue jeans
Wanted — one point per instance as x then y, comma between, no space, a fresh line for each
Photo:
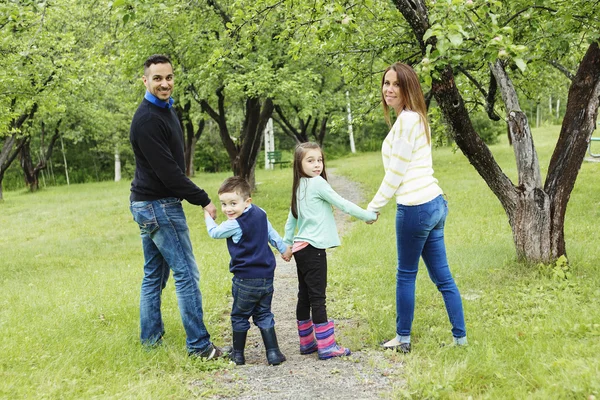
167,246
420,233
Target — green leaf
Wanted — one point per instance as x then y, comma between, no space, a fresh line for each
427,35
520,63
455,38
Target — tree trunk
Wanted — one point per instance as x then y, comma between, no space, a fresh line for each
31,178
31,172
535,213
323,130
244,153
117,164
187,126
577,128
191,170
349,118
255,121
8,153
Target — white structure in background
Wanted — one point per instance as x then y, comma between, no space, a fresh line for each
117,164
350,130
62,147
269,143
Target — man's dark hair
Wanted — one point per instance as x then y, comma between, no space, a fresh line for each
156,59
236,184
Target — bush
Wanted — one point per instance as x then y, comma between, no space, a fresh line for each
210,154
487,129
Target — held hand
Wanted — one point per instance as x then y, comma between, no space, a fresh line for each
287,255
375,220
211,209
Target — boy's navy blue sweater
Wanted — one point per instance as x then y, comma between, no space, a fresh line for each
251,256
157,141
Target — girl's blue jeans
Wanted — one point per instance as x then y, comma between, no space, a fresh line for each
420,233
167,247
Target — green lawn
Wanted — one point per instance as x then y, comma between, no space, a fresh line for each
70,271
530,336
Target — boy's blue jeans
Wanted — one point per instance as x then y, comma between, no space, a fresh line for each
251,298
167,246
420,233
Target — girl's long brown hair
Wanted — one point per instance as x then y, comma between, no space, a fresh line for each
411,94
299,154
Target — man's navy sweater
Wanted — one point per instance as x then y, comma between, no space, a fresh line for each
157,141
251,256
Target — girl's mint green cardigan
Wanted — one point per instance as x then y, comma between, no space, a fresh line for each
315,223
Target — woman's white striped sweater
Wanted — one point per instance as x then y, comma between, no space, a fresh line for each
408,165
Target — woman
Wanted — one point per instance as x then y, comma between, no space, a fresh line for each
421,207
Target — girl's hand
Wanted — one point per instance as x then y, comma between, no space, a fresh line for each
287,255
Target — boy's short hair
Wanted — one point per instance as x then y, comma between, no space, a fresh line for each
236,184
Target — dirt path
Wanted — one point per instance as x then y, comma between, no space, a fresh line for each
363,375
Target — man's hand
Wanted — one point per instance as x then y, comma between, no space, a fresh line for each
211,209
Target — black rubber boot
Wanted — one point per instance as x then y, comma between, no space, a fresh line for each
239,343
274,356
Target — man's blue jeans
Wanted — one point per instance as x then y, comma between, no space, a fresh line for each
420,232
167,246
251,298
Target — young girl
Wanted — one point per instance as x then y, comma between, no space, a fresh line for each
421,208
312,214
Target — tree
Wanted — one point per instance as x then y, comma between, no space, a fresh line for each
191,136
55,65
305,115
32,172
454,35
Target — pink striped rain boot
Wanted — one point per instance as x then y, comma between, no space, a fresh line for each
328,348
308,343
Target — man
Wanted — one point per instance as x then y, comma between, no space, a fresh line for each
157,189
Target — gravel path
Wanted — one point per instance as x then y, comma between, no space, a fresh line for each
363,375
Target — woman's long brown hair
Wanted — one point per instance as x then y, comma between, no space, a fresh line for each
411,94
299,154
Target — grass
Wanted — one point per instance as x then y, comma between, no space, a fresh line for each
71,270
530,336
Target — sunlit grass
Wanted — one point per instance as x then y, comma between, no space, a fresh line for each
530,336
71,266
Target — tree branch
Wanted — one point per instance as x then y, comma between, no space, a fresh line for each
562,69
285,121
473,80
525,9
530,176
490,100
219,10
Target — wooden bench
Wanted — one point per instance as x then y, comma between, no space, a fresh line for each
593,139
274,158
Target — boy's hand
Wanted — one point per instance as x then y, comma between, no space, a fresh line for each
207,214
287,255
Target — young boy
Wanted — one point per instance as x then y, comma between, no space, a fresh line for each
248,231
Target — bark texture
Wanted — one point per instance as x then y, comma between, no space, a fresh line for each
577,128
